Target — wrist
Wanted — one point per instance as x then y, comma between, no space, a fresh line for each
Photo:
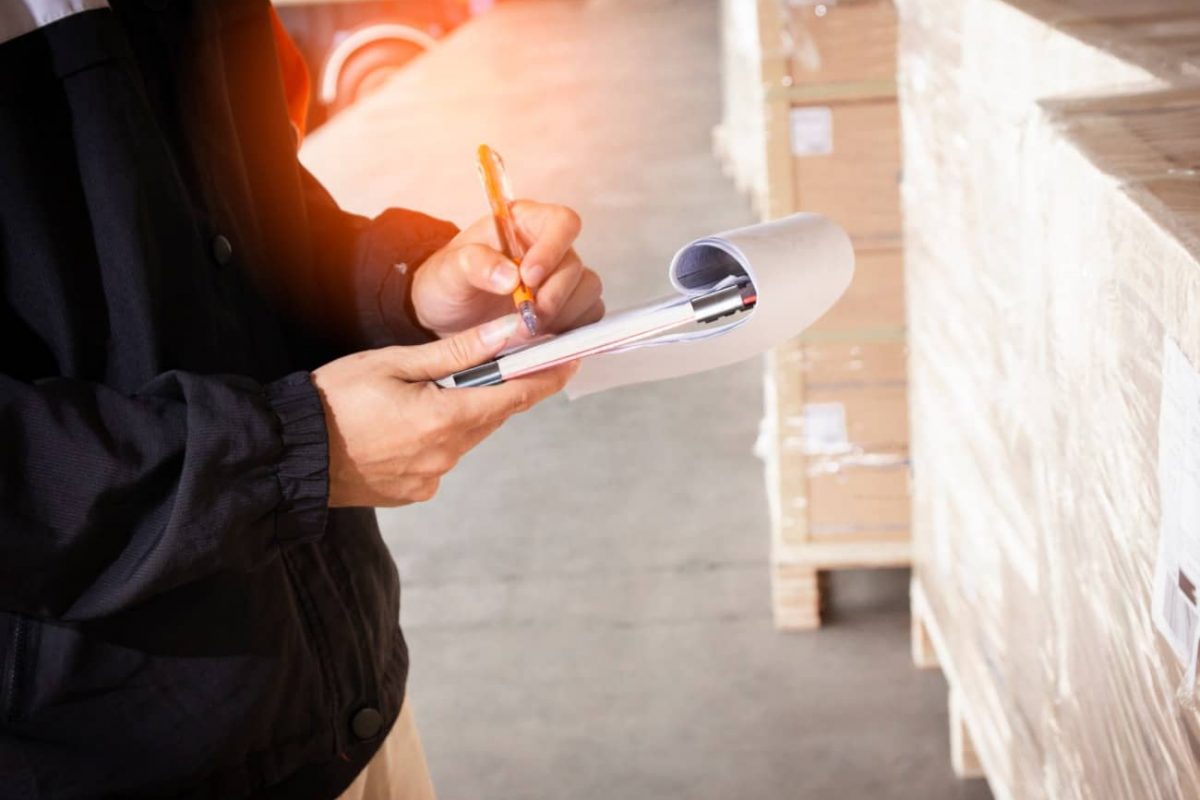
398,301
396,244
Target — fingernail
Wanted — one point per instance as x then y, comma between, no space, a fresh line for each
533,274
504,277
498,331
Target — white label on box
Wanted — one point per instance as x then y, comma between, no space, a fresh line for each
825,429
1177,571
812,131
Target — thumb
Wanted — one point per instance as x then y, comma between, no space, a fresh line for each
485,269
429,362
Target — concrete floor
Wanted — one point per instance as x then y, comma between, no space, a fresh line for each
586,600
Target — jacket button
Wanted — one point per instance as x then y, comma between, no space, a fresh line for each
222,250
367,723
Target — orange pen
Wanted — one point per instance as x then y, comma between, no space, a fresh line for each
499,194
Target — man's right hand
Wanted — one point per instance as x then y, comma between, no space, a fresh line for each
393,434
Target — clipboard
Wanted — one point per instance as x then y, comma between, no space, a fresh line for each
737,294
610,334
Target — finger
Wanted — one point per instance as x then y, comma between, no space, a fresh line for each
550,231
554,292
582,298
478,266
487,405
592,314
430,362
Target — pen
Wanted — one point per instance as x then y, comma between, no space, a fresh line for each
495,183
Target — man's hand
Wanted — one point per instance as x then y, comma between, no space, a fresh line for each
393,435
468,281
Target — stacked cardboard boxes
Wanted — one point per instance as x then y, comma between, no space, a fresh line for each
835,433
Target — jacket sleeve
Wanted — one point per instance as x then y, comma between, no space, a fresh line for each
384,254
107,499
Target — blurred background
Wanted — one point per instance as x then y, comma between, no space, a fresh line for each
742,583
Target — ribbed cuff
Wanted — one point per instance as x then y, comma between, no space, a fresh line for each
303,469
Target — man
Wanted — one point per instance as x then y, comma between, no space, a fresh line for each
194,597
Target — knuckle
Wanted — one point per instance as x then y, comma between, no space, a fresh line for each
383,492
476,249
426,490
550,301
449,419
379,360
436,437
569,218
457,350
445,461
433,422
523,400
474,253
591,279
436,464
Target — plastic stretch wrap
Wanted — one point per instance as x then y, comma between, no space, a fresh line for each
1051,252
740,138
842,45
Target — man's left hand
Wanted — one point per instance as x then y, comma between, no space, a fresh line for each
469,282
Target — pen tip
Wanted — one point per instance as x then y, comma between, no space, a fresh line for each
529,318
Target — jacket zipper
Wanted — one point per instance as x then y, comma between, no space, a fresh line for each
13,675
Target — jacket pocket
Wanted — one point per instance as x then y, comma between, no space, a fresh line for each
321,658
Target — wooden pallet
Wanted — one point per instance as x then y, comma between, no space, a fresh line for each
799,574
929,651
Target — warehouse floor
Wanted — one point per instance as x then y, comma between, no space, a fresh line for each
586,600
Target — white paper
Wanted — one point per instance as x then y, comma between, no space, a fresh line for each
812,130
614,332
1177,570
799,265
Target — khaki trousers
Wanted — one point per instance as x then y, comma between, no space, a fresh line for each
398,771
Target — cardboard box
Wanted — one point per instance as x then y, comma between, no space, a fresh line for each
875,300
859,502
845,163
844,422
841,400
820,501
809,362
841,42
840,418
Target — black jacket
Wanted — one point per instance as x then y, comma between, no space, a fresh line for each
180,612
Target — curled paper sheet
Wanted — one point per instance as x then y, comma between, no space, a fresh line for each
799,265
